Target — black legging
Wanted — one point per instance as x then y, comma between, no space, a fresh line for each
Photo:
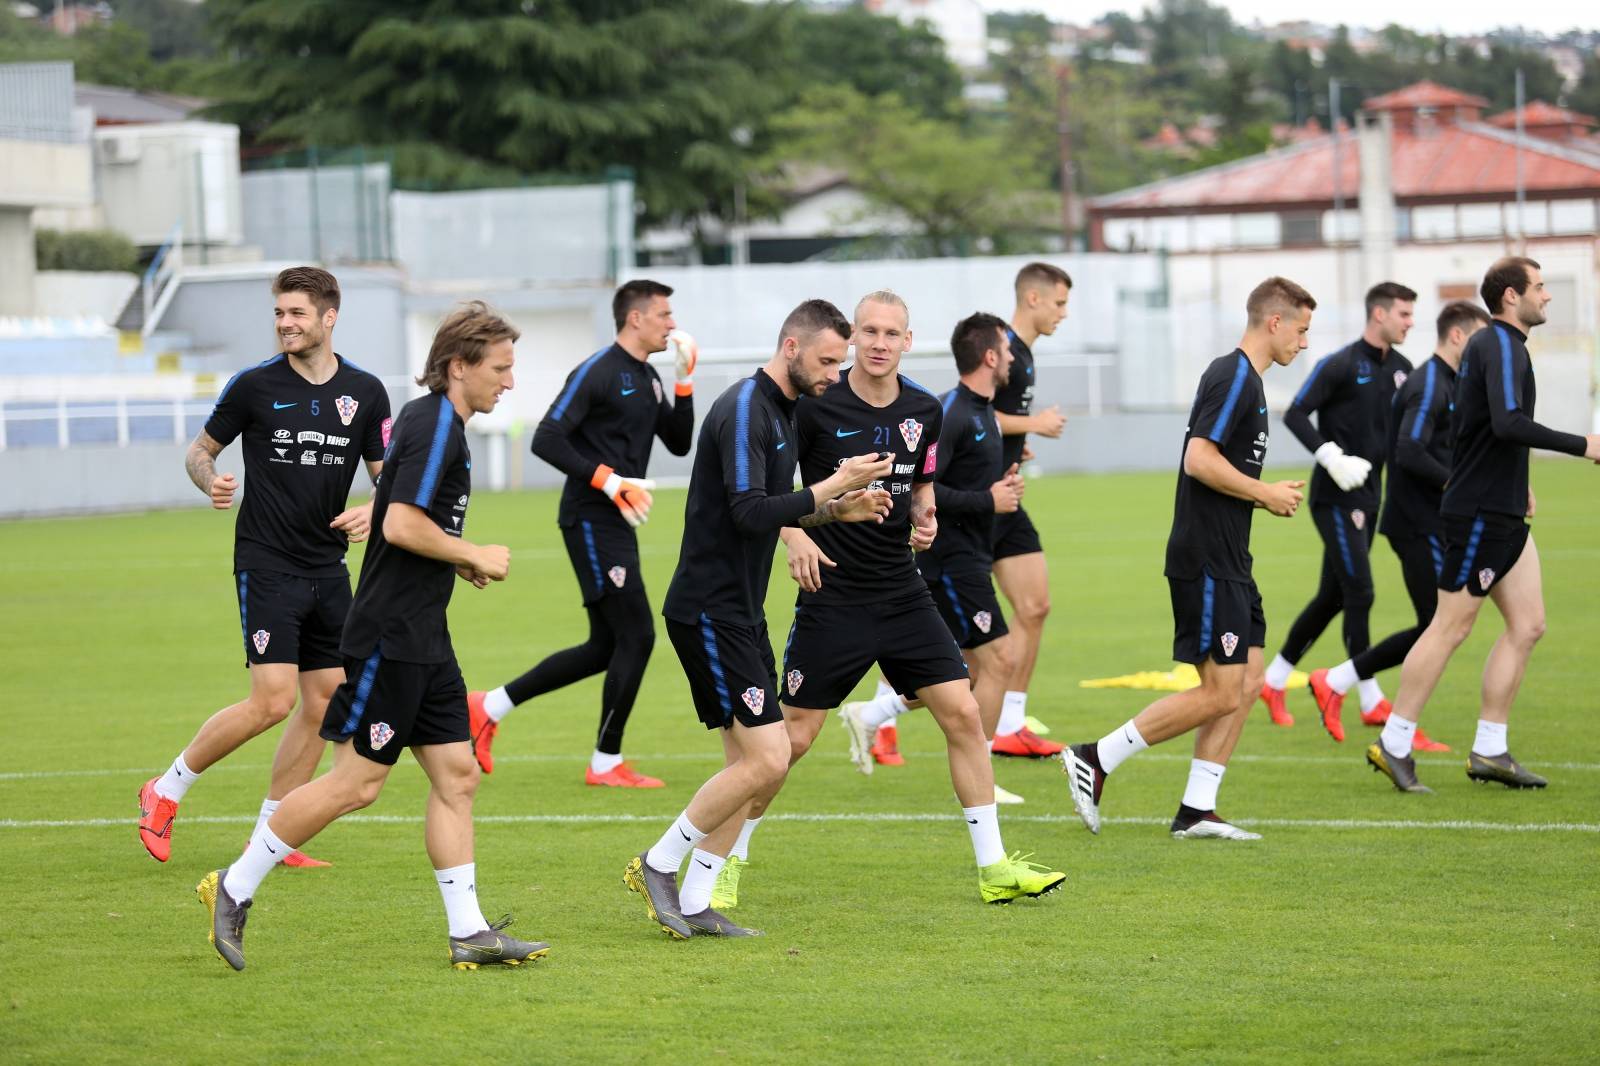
1346,583
1420,560
622,633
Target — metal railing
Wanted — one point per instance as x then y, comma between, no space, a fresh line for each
163,270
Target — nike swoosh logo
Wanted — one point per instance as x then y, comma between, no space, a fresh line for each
842,433
683,834
629,392
781,443
1262,410
269,847
498,949
276,406
707,865
1362,381
449,882
982,435
972,821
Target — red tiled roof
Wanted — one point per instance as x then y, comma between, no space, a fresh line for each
1424,94
1447,161
1539,113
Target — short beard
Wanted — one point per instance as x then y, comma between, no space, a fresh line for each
801,383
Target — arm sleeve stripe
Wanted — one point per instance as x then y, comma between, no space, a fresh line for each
949,399
259,366
1505,368
572,386
1305,386
1427,402
441,437
741,437
1233,399
916,386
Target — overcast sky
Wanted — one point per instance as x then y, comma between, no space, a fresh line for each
1449,16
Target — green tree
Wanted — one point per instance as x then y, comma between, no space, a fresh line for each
876,54
1586,97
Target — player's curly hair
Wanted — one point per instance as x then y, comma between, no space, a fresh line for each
321,286
466,334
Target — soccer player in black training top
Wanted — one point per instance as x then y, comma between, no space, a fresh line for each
402,686
599,433
1489,550
871,604
739,497
307,417
1217,618
1420,434
1350,393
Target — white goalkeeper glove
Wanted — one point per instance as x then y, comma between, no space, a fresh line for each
630,494
686,353
1348,471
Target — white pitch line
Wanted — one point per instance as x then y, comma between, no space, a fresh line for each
863,816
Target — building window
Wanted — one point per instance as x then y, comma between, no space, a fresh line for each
1434,223
1481,220
1301,230
1572,216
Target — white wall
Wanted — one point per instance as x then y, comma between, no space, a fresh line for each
70,293
155,175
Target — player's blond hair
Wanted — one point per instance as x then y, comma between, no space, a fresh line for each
886,297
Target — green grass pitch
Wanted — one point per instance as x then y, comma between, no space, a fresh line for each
1367,927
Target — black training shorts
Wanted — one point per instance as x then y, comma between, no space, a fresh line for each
731,672
1480,550
832,647
969,607
605,558
1013,534
291,619
385,705
1220,620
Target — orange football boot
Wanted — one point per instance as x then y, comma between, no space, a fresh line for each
621,776
1277,710
1329,702
886,746
156,815
1025,744
481,728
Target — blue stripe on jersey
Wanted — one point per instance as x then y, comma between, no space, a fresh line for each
955,605
358,706
1305,385
1427,399
709,637
1471,553
352,366
948,399
1505,367
1438,556
914,385
259,366
244,614
1208,598
572,386
741,436
441,437
594,556
1344,543
1232,401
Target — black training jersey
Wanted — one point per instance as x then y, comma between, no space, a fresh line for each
1350,393
874,561
1495,394
1211,531
399,609
1420,432
608,411
740,496
970,460
1015,397
301,444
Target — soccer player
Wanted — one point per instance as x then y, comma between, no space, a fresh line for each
739,497
402,686
1350,393
1418,451
307,417
1217,618
873,605
598,433
1489,550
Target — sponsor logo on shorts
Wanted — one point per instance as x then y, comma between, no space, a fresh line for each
1399,378
931,463
1485,578
754,698
1358,518
1230,641
259,638
385,428
911,433
381,734
282,434
618,575
310,436
795,679
346,406
983,620
308,457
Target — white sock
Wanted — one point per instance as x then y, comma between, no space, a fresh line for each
741,847
1278,671
602,763
884,689
1117,745
268,807
1397,734
1371,694
984,825
459,887
882,710
667,854
1204,780
1491,739
250,869
1343,678
497,704
176,781
698,880
1013,712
